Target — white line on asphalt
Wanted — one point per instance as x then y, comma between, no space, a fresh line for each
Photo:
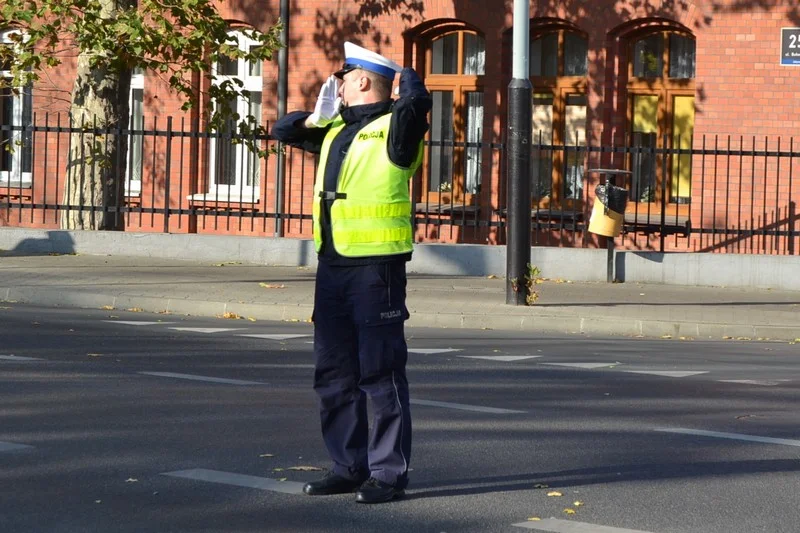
207,330
568,526
276,337
11,447
240,480
762,382
583,365
432,351
202,378
730,436
465,407
137,322
13,357
503,358
668,373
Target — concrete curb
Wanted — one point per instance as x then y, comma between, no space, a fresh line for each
541,323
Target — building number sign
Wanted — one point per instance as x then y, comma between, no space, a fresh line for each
790,46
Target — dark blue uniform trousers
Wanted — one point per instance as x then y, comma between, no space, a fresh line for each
360,351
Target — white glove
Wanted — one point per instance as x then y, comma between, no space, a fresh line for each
328,104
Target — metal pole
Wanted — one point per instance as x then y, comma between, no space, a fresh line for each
518,245
283,85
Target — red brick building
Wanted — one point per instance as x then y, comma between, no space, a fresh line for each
623,84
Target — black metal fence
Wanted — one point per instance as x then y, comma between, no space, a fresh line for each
728,194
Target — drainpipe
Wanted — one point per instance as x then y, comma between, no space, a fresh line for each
283,85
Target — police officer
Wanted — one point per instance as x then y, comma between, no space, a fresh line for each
370,146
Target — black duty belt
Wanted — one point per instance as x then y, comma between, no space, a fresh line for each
329,195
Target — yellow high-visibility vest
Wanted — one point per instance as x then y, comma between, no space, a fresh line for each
371,210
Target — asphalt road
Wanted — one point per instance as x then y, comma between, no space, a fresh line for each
117,421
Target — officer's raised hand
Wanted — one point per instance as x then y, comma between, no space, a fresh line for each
328,105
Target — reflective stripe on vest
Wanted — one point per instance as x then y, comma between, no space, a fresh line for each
373,216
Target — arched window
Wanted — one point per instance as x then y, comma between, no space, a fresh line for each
661,88
235,169
454,67
558,68
16,113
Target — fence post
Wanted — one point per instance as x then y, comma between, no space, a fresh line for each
167,170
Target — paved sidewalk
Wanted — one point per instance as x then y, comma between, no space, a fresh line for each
285,293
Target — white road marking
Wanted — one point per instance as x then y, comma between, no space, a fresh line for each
12,447
13,357
669,373
568,526
275,337
431,351
465,407
762,382
583,365
239,480
730,436
207,330
202,378
137,322
503,358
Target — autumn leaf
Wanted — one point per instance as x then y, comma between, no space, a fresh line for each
131,480
251,319
94,355
107,308
533,519
266,455
282,479
277,469
304,469
231,315
577,503
554,493
135,309
491,276
569,511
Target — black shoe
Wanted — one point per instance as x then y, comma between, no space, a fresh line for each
331,484
375,491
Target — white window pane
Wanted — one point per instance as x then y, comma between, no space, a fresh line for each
474,137
442,136
253,161
681,56
445,55
542,159
474,55
575,137
576,50
544,56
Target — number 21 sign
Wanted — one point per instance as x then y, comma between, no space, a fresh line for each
790,46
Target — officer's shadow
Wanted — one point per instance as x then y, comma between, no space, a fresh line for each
597,476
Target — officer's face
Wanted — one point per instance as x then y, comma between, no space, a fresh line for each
352,86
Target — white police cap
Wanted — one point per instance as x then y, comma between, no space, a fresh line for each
358,57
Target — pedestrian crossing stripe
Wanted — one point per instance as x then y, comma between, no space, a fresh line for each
502,358
13,447
432,351
207,330
239,480
669,373
761,382
270,336
137,322
554,525
192,377
583,365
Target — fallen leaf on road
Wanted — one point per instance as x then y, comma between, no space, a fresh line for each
107,307
266,455
533,519
135,309
666,336
131,480
231,315
251,319
227,263
282,479
98,501
94,354
271,286
304,469
577,504
491,276
569,511
277,469
554,493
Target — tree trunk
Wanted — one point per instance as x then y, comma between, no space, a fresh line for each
94,188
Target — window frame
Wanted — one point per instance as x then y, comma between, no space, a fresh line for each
561,87
239,191
133,187
17,177
460,85
666,89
